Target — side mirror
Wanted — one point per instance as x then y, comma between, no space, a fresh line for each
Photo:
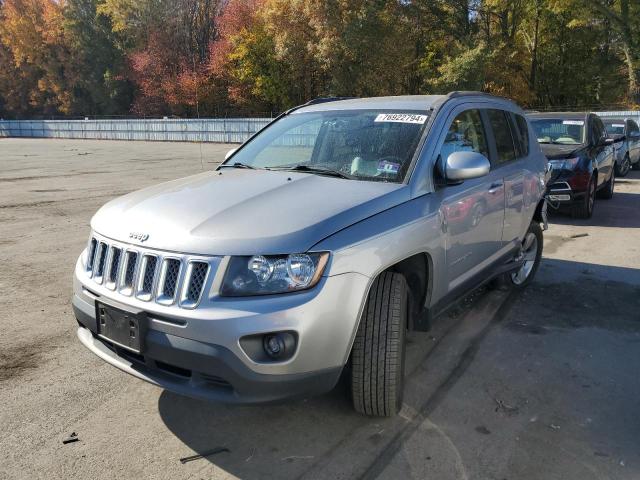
607,141
229,153
461,166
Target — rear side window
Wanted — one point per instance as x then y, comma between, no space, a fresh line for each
502,135
520,135
633,126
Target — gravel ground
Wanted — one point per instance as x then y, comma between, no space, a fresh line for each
542,384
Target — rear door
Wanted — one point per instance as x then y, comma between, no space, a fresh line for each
510,157
473,211
633,138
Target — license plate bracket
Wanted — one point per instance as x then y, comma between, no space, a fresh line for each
125,329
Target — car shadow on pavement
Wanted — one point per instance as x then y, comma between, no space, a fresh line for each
273,441
309,437
304,437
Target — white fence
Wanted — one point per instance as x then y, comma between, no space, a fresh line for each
633,114
221,130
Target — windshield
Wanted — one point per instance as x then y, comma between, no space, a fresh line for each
614,127
360,144
559,131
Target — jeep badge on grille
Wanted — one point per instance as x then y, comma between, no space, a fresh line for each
139,236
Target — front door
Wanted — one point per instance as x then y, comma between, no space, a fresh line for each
473,212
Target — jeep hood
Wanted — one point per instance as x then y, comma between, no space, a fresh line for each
244,212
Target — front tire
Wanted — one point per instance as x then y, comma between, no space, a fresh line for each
607,191
377,361
584,209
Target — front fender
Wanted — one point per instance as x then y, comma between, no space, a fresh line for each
371,246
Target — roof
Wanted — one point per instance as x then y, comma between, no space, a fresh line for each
405,102
401,102
559,115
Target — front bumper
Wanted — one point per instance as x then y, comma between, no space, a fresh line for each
197,352
562,194
205,371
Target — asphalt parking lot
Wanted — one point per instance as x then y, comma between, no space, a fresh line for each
542,384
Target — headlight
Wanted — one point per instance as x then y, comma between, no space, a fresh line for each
263,275
568,164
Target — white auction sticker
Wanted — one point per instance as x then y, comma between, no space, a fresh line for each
573,122
617,125
401,118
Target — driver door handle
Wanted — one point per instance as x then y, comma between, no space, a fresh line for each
495,187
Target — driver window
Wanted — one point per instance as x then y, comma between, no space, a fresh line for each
599,133
466,134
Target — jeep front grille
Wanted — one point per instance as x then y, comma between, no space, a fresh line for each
149,275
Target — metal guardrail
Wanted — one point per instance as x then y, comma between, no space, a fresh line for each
220,130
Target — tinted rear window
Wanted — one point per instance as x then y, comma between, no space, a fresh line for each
521,135
502,135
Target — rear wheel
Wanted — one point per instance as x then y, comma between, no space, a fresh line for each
377,362
531,254
623,169
584,209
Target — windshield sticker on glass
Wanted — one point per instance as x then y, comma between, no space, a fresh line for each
573,122
617,125
388,167
401,118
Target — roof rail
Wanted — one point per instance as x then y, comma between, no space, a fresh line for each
465,93
315,101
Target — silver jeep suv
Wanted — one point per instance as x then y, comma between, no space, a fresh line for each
314,248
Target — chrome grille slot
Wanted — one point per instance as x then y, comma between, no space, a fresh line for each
194,283
101,258
128,272
146,277
114,267
91,255
168,282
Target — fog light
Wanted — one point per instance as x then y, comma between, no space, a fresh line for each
278,345
274,345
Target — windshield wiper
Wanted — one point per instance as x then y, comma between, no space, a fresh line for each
317,170
237,165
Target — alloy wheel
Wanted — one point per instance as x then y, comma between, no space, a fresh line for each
626,165
529,253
